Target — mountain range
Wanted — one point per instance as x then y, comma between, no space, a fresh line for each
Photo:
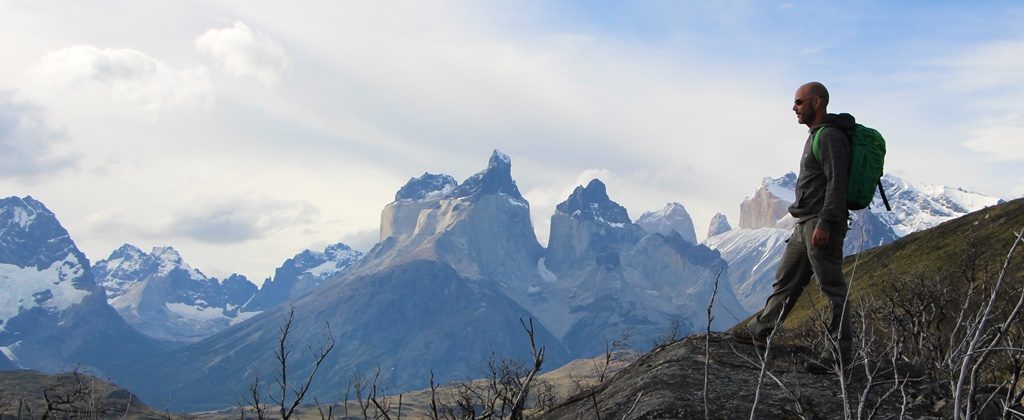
163,297
457,268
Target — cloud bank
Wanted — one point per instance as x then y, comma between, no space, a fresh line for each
240,219
127,81
243,52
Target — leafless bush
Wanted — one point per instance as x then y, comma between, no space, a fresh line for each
77,395
371,396
673,334
502,395
707,344
289,396
613,350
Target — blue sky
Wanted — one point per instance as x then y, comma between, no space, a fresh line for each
241,132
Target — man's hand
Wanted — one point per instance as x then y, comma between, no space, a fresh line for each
819,239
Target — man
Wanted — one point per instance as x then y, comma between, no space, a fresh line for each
816,245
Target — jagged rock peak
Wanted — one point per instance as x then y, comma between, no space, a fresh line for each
127,258
340,250
169,259
428,186
782,187
31,235
719,225
21,211
770,202
592,203
126,251
235,278
672,218
167,254
497,178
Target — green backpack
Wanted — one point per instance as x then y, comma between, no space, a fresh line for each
866,160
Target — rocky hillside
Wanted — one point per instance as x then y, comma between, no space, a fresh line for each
668,383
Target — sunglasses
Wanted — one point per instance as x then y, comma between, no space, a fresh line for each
801,101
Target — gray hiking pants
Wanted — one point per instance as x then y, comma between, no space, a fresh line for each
799,262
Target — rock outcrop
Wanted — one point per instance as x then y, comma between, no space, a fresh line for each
668,383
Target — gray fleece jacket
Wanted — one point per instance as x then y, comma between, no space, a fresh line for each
821,186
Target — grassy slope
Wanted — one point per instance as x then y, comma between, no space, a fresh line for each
936,252
27,386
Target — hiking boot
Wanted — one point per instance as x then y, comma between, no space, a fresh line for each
743,336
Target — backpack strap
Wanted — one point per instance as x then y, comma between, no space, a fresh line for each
815,147
884,198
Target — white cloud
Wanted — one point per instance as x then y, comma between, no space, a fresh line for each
223,220
231,220
994,65
1003,142
29,147
242,52
122,80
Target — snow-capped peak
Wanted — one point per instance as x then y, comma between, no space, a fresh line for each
783,187
20,212
719,224
496,179
917,206
427,187
592,203
23,211
499,158
170,259
340,251
673,217
127,250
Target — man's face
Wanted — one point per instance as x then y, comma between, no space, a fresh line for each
803,106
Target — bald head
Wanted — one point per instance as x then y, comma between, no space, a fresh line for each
810,103
815,89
